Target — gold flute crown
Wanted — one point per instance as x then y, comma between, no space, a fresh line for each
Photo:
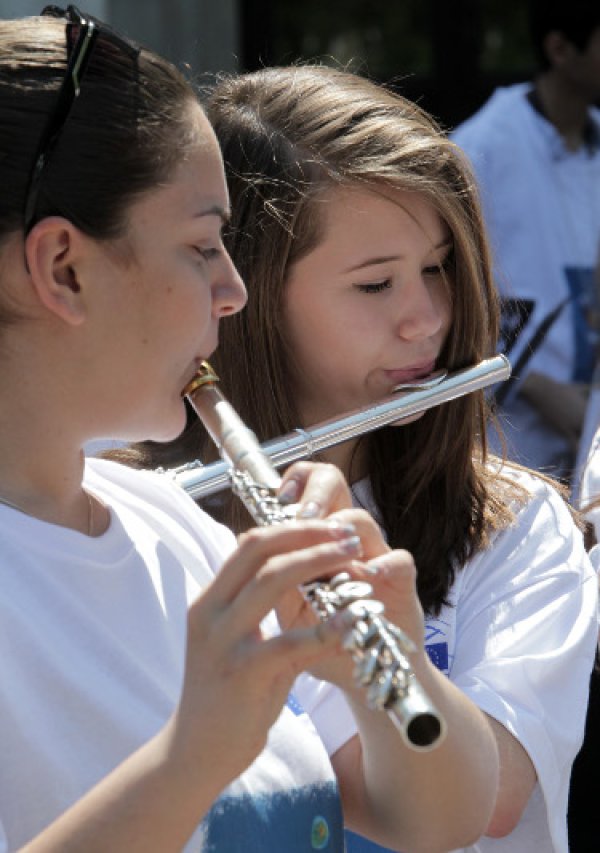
205,375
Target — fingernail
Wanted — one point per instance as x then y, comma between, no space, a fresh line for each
372,568
341,530
310,510
350,545
289,492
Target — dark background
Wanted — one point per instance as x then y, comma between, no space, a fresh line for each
447,55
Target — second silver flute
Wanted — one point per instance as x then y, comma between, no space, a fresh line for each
380,649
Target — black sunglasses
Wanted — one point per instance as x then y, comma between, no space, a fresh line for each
82,31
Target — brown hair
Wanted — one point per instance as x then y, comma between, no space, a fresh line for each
127,130
288,135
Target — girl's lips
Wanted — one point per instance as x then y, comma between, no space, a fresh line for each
410,374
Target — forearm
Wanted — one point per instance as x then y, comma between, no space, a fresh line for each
155,799
459,776
562,404
152,802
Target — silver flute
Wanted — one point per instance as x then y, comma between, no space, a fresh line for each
408,399
379,648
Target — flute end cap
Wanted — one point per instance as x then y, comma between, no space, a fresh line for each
425,731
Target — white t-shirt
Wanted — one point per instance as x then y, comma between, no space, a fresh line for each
542,209
590,483
518,639
92,640
587,439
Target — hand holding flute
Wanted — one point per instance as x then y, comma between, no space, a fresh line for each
379,648
243,683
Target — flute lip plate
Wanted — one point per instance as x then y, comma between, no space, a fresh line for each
422,384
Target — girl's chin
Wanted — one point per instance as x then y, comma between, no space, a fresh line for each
168,431
168,436
408,420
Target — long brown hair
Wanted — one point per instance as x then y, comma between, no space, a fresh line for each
287,136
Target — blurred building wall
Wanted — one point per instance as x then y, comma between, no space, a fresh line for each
21,8
203,34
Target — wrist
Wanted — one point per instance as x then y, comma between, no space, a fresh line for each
191,773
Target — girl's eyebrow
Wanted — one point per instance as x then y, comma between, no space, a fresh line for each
372,261
224,214
446,243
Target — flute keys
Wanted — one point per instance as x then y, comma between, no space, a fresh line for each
362,636
340,578
351,591
366,609
380,692
405,643
321,598
367,667
402,680
366,634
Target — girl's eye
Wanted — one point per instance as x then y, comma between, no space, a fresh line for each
375,287
208,254
444,267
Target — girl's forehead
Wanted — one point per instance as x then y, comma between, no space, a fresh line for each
339,206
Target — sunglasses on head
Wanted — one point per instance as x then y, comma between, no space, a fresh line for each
82,32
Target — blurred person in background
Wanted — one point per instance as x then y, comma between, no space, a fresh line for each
535,148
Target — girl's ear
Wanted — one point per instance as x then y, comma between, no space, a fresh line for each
53,249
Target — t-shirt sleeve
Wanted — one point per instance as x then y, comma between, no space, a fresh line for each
328,710
590,486
527,632
160,493
216,540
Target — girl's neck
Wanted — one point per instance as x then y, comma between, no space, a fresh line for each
349,457
41,469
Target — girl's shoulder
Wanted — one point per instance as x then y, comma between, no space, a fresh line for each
544,529
148,492
115,479
523,489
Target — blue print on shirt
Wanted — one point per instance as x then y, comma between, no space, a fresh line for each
584,293
358,844
436,644
297,821
294,706
438,654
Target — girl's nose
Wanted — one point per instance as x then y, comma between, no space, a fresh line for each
425,310
229,291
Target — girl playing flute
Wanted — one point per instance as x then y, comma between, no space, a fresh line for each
357,229
143,697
